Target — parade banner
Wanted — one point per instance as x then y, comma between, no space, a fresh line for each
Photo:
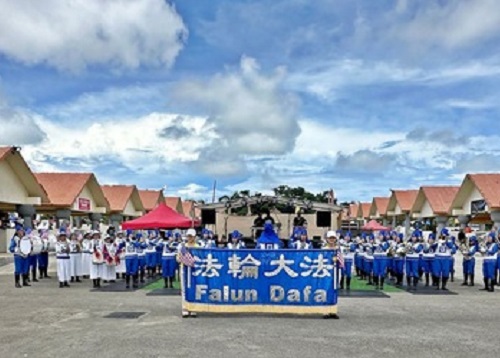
267,281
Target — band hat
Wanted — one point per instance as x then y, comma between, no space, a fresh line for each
191,232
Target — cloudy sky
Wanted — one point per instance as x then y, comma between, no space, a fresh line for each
356,95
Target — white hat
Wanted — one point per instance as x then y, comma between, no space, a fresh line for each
191,232
331,233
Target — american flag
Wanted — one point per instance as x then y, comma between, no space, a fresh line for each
186,258
340,259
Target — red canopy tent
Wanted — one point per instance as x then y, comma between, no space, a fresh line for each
162,217
374,226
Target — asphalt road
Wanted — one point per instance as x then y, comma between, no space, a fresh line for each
45,321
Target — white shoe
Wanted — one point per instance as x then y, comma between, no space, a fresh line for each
193,314
185,314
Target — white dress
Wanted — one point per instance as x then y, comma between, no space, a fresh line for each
97,267
86,257
109,269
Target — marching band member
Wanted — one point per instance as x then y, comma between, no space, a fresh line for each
429,254
490,253
169,262
236,242
43,257
209,241
380,250
33,258
160,235
21,260
358,262
97,267
452,263
75,258
131,260
414,248
268,240
120,267
369,258
303,243
443,260
110,251
469,261
348,250
399,249
190,243
86,246
150,253
62,255
141,256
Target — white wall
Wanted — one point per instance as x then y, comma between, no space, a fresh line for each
12,189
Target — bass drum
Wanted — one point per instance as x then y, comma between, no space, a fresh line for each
37,246
25,247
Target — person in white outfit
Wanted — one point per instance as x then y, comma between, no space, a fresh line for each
86,255
75,258
120,266
109,269
62,255
97,267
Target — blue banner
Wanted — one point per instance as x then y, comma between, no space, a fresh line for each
273,281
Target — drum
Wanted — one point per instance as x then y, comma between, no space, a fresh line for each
25,246
37,246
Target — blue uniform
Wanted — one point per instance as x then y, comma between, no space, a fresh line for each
169,259
490,261
469,263
380,259
412,259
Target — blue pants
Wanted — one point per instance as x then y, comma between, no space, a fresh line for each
21,265
368,267
150,259
168,267
489,267
390,264
427,265
379,266
399,265
131,265
412,267
443,266
33,262
43,260
142,262
347,270
159,255
357,261
469,266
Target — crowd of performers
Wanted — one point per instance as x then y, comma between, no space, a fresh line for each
388,255
135,256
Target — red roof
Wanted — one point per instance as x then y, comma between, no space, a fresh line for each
4,151
150,198
173,202
118,195
365,209
405,198
63,188
162,217
187,207
353,210
440,198
381,203
489,187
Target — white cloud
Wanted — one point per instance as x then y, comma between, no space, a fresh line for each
194,191
452,24
73,34
250,114
135,143
18,126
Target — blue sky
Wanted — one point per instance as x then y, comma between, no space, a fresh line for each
358,96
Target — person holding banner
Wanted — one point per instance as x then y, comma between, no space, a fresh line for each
62,256
20,257
268,240
303,243
236,242
185,258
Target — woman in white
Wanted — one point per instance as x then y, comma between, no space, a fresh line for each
86,255
62,255
75,258
97,267
120,266
109,269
